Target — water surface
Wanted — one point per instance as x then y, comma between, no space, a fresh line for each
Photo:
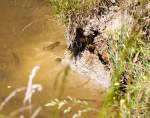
30,36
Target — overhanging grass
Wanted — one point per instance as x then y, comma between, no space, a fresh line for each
63,8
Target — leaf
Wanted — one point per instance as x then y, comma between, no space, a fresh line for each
70,98
67,110
60,105
52,103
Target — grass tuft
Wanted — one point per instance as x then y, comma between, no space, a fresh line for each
63,8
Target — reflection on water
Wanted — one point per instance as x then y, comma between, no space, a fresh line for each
28,37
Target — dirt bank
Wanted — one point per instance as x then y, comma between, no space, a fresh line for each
89,37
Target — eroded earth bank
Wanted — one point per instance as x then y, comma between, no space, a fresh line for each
90,35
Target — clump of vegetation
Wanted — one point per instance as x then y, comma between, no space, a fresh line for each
68,106
63,8
129,93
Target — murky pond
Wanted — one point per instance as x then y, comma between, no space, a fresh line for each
30,36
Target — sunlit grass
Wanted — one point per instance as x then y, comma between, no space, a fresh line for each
72,106
63,8
129,53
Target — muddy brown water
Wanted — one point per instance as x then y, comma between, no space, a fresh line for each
30,36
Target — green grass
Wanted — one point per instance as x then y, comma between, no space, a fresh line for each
63,8
130,100
137,75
